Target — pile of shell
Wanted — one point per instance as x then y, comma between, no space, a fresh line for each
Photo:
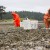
20,39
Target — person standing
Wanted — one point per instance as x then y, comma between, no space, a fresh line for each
16,18
47,19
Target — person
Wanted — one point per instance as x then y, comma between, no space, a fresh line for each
16,19
47,19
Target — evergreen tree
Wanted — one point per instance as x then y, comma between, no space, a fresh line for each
2,11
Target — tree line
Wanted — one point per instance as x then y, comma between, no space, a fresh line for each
24,14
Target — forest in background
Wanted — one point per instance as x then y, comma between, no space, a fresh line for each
24,14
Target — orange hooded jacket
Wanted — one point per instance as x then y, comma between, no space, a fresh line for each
16,19
47,20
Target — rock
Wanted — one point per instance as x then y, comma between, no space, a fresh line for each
14,49
39,48
21,48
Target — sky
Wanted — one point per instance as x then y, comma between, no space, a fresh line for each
26,5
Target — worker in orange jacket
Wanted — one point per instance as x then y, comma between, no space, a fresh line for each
47,19
16,19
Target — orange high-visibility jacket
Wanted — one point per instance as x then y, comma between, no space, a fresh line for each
16,19
46,17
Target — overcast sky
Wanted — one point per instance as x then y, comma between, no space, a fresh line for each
26,5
